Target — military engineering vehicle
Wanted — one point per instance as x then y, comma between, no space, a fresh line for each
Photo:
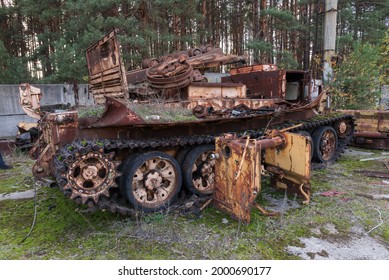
261,119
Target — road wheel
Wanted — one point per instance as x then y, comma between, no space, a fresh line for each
198,170
325,144
151,181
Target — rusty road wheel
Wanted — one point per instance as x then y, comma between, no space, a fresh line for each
151,181
198,170
344,128
325,144
91,175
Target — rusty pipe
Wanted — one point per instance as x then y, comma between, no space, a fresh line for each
264,143
371,134
271,143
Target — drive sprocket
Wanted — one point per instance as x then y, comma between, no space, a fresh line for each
87,172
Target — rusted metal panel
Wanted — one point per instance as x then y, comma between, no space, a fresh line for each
237,176
117,114
291,164
293,158
253,68
106,70
216,90
260,84
370,120
136,76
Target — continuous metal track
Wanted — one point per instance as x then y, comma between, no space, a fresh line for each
87,170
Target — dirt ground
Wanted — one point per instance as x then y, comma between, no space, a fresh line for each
358,244
339,223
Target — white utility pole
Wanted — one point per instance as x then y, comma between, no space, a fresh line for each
331,10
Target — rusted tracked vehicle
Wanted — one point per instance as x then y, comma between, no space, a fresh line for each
269,115
372,129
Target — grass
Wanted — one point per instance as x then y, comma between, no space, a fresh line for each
63,231
149,112
161,113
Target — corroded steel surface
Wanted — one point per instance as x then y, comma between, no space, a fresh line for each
116,114
263,84
106,70
238,169
237,176
293,158
216,91
174,73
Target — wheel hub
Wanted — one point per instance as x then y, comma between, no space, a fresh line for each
153,180
328,145
205,167
342,127
89,172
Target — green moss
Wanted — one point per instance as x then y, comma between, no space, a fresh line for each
164,113
91,111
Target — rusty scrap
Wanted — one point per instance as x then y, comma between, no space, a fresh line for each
205,205
107,76
264,211
376,174
374,196
372,129
331,193
235,193
153,159
175,73
30,100
238,170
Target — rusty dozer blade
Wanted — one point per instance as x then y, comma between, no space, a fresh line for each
117,114
239,166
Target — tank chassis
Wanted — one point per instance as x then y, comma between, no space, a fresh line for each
244,129
121,154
